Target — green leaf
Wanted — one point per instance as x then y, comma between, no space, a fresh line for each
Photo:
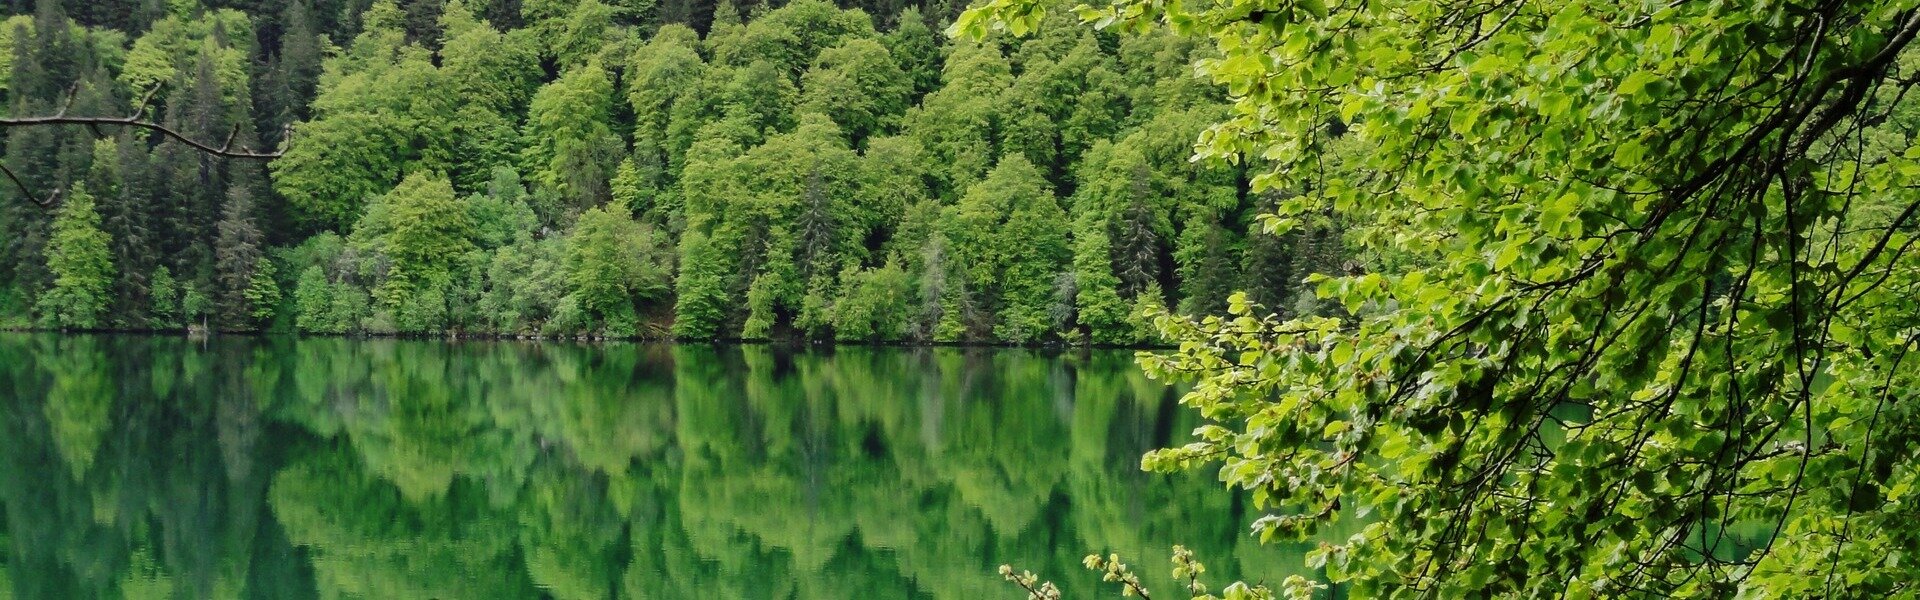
1636,82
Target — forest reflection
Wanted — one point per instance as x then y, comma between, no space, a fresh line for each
159,467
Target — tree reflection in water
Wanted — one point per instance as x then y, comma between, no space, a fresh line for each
156,467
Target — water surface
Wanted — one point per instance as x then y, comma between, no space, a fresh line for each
159,467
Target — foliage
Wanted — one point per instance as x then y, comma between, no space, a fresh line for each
612,261
858,85
877,304
1634,292
165,297
412,240
81,264
798,170
263,293
1009,238
378,116
571,144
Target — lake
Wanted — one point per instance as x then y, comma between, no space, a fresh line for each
239,467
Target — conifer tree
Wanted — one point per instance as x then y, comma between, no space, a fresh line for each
238,258
80,259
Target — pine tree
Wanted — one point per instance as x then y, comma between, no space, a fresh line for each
237,260
262,294
117,182
164,300
55,58
80,258
422,21
1138,251
1205,266
294,74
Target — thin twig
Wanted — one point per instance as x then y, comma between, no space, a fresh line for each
226,149
226,152
50,200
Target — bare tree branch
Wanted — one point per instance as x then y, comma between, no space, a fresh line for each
48,202
226,149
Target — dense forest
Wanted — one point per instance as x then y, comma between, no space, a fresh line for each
1599,288
620,168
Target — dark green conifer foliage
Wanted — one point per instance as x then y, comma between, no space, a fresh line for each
238,257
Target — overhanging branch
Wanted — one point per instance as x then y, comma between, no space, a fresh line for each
226,149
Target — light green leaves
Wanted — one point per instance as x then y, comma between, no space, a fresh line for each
1636,82
1604,251
81,264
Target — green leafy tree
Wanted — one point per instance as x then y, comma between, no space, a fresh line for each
858,85
1062,101
781,215
790,37
523,285
313,302
501,215
174,43
701,303
382,111
877,304
808,149
81,261
613,263
1097,302
665,72
571,150
164,297
1009,241
196,306
916,49
1607,333
263,294
760,98
413,239
960,124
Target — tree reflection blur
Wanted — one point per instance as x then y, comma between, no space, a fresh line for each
158,467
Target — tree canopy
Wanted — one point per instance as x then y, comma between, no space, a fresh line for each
1635,279
799,171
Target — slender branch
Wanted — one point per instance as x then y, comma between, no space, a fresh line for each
48,202
225,150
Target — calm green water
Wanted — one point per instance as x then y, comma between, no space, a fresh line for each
153,467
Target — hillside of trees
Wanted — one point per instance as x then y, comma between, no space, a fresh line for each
621,168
